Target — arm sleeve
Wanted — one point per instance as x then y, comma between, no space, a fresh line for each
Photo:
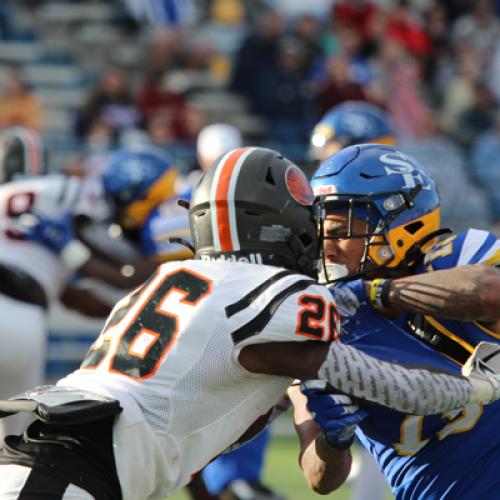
414,391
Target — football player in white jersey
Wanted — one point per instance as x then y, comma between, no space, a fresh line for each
30,275
202,350
236,474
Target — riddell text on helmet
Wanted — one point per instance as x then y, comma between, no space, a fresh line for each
252,258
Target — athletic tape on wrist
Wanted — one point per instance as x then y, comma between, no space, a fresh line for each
336,446
379,293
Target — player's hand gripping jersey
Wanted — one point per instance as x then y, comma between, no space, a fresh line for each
182,411
451,455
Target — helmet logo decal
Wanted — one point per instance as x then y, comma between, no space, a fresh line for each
225,231
298,186
275,233
399,164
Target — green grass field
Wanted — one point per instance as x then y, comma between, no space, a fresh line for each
282,472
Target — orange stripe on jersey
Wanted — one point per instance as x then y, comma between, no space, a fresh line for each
221,195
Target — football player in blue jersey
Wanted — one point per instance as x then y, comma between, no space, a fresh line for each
139,184
409,292
355,122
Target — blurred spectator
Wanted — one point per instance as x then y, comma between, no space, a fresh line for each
306,31
478,117
402,25
111,102
159,128
285,97
5,21
161,104
258,54
436,24
100,137
480,28
460,88
400,78
194,120
340,85
485,163
18,105
164,51
493,72
437,61
351,46
359,16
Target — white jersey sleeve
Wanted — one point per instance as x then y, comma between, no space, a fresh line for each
291,308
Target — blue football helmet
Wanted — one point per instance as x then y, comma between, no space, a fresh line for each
136,181
391,192
352,122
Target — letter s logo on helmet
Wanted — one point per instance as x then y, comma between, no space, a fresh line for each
253,201
391,192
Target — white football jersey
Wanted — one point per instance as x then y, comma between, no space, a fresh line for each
169,354
51,196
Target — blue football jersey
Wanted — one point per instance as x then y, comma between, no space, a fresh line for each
454,455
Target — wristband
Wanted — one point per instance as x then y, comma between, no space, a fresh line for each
74,255
336,446
379,293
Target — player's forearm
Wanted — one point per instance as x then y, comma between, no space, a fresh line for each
468,293
409,390
325,469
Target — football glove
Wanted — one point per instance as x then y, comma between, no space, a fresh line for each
350,297
484,365
57,235
53,233
336,414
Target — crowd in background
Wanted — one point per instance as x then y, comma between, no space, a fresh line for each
433,65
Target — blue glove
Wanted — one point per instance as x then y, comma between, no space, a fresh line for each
54,234
336,414
350,297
